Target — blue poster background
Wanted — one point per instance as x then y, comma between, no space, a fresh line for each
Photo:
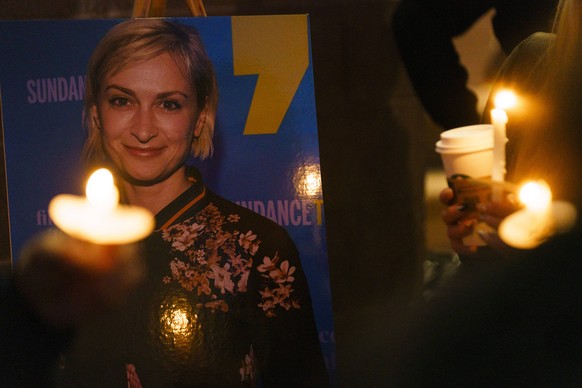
42,67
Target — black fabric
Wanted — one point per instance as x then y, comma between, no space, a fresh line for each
424,30
197,316
29,349
519,324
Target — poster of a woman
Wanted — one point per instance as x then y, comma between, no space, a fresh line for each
249,263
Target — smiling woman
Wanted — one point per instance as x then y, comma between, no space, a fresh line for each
225,301
148,117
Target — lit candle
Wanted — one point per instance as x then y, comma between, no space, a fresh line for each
99,218
503,100
536,197
540,218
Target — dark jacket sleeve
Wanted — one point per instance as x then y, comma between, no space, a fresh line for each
285,333
29,349
424,32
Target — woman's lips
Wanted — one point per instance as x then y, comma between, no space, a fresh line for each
144,152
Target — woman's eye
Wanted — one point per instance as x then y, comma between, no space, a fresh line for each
170,105
118,102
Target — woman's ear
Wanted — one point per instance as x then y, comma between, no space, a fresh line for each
95,117
201,121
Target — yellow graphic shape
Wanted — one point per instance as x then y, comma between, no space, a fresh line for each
275,48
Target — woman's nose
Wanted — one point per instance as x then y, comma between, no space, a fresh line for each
144,129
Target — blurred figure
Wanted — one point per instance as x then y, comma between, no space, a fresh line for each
55,289
424,32
518,321
543,140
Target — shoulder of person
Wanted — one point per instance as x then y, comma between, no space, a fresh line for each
524,70
248,217
531,49
526,60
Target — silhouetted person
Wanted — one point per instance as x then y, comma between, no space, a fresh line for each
424,32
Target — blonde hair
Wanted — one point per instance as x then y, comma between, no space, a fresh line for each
142,39
567,50
550,145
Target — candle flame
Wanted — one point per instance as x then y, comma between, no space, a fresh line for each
505,99
536,196
101,190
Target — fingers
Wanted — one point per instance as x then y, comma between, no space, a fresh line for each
493,213
453,214
461,222
461,229
498,209
68,281
498,246
463,250
446,196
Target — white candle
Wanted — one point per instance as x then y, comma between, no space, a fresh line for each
540,218
99,218
503,100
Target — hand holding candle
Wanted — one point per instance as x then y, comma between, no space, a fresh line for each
90,268
100,218
68,281
540,218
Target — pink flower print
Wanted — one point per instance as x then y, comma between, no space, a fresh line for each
214,218
268,300
243,281
222,238
204,286
268,264
283,273
233,218
217,305
267,293
222,279
238,263
245,240
210,211
279,275
248,370
214,244
177,267
283,294
172,232
295,304
201,256
183,241
132,377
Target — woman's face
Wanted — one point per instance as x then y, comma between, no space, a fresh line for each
148,117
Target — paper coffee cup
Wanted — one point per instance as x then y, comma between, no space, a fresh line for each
467,156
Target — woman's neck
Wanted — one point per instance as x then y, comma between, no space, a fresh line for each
157,196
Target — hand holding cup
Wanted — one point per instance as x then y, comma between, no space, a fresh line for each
467,155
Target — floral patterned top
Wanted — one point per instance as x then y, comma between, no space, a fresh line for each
225,304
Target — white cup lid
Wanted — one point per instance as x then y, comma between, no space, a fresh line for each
466,139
